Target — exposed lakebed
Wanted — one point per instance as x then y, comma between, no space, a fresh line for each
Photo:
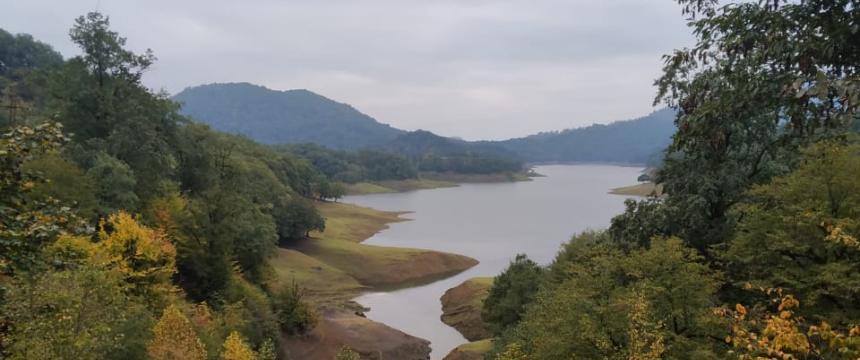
491,223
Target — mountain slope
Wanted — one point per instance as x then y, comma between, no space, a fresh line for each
420,143
300,116
631,141
283,117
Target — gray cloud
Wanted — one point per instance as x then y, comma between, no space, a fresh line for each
470,68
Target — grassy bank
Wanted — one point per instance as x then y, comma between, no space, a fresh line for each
641,190
479,178
394,186
335,265
432,181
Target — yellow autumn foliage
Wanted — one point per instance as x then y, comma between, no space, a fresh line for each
781,336
235,348
144,256
174,338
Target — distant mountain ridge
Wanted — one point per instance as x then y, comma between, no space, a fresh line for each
283,117
301,116
635,141
422,142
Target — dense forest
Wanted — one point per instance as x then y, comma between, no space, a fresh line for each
128,231
283,117
753,251
637,141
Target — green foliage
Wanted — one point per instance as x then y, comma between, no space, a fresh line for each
21,53
799,233
328,190
116,183
763,78
298,219
250,312
100,99
220,202
512,290
267,351
434,153
65,182
27,224
386,166
650,303
336,165
294,314
24,64
75,314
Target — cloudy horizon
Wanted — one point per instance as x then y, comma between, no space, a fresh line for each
474,69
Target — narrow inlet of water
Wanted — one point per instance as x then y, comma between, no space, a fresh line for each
491,223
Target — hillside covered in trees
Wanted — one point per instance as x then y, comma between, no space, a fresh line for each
636,141
128,231
300,116
752,251
283,117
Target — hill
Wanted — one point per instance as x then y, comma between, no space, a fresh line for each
283,117
632,141
300,116
419,143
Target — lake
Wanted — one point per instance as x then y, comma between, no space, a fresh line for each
491,223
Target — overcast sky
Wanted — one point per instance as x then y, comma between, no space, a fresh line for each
476,69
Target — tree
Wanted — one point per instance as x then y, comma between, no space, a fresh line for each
174,338
80,313
764,78
298,219
144,256
65,182
27,224
648,303
294,314
512,290
777,332
21,53
328,190
267,350
99,97
235,348
800,232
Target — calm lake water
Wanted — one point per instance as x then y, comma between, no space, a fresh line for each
491,223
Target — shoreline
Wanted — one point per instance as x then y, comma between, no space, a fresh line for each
429,180
334,267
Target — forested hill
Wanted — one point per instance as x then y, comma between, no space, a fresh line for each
283,117
421,142
633,141
300,116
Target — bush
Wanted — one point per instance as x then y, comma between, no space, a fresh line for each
512,290
294,315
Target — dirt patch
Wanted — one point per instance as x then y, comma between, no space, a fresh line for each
461,307
371,339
